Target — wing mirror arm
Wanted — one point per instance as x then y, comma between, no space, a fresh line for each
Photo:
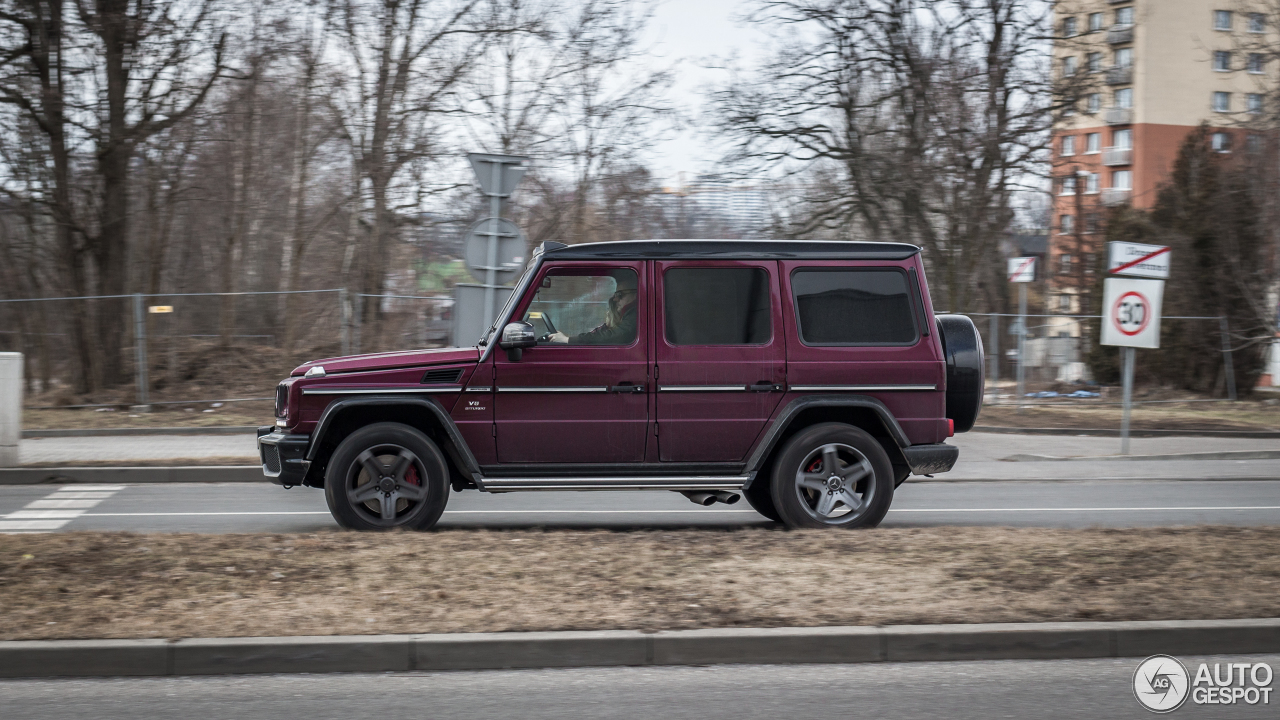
517,336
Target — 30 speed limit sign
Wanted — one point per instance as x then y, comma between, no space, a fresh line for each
1131,312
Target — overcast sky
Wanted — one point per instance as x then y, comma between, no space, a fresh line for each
693,34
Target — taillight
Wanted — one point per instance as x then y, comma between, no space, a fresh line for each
951,427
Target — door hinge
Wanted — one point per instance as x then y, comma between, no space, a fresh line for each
493,430
655,429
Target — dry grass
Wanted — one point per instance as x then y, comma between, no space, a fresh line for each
124,585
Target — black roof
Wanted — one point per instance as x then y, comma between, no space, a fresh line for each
730,250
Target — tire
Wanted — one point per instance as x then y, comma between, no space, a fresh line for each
760,497
409,467
856,496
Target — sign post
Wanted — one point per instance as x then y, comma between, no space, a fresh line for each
1130,319
1022,270
495,246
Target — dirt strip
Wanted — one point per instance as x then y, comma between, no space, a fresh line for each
109,585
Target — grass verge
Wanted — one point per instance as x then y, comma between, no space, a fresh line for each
112,585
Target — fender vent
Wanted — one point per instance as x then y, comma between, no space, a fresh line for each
442,377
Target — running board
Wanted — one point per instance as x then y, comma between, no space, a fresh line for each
732,484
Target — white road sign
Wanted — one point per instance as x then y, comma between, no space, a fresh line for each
1138,260
1022,269
1131,312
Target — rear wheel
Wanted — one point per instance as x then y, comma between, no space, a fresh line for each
832,475
386,476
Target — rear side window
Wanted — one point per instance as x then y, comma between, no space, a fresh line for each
854,307
716,306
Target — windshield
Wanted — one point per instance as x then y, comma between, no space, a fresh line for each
512,298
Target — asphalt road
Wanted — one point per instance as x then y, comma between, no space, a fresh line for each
250,507
956,690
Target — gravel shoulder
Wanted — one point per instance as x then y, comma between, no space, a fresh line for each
122,585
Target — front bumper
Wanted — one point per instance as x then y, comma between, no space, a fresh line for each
283,456
930,459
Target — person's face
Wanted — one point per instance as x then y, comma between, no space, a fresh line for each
622,298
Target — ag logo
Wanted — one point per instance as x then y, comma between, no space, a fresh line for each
1161,683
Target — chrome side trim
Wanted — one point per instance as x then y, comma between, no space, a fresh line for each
859,388
483,389
702,388
733,483
382,391
553,389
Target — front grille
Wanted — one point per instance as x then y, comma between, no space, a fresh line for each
271,458
282,400
442,377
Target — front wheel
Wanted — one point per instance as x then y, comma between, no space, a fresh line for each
386,476
832,475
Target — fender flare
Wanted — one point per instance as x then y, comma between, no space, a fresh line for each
462,452
795,407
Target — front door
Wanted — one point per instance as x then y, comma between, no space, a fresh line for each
721,359
581,395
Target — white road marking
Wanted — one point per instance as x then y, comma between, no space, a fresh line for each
56,509
1086,509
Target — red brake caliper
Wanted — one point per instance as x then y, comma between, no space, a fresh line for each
411,475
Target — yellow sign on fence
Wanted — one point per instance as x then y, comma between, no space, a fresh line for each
160,308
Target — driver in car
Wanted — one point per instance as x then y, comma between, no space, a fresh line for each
619,326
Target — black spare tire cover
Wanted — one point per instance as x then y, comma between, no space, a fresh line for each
962,348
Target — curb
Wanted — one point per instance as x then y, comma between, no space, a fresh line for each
1107,432
495,651
1221,455
142,474
107,432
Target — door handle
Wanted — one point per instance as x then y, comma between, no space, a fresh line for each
627,387
765,387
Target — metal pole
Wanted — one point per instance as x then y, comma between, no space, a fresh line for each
356,320
1022,344
140,347
344,314
994,332
1126,362
1226,357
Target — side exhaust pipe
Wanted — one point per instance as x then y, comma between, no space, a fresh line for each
727,498
700,498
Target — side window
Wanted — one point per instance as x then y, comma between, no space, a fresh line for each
585,307
854,307
716,306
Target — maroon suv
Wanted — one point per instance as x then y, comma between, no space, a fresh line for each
811,377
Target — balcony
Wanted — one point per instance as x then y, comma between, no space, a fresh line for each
1118,116
1113,156
1119,75
1115,196
1120,34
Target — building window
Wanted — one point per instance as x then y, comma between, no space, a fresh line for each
1222,102
1124,16
1255,103
1092,144
1221,142
1221,19
1093,62
1094,102
1064,260
1122,139
1090,261
1091,184
1068,145
1064,301
1257,23
1124,98
1255,63
1124,57
1068,66
1095,22
1069,27
1222,61
1253,144
1122,180
1091,223
1068,186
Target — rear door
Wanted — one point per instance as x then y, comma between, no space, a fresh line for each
720,357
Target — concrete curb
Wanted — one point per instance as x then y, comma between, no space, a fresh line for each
107,432
494,651
141,474
1107,432
1221,455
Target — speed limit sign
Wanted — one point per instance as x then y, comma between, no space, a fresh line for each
1131,312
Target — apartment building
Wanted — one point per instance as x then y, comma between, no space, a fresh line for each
1145,72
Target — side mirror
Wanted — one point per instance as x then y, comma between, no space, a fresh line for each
516,337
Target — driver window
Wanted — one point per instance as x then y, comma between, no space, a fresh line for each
596,307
